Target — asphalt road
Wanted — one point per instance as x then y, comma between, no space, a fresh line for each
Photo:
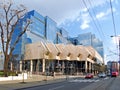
73,84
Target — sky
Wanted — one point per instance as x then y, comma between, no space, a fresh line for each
82,16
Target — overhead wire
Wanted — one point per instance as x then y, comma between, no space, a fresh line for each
114,25
97,21
113,20
92,18
105,41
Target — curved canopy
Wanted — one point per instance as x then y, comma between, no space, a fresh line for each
60,52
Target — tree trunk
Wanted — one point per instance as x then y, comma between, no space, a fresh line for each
6,66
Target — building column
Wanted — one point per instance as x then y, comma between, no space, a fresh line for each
63,66
20,66
90,67
31,65
43,65
11,66
86,66
37,66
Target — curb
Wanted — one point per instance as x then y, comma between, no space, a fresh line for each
42,83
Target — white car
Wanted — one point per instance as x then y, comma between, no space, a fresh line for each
101,75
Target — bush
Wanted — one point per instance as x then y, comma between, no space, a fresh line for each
1,73
10,73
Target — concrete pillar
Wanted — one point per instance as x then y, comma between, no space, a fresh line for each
63,66
20,66
11,66
31,65
90,67
43,65
37,66
86,66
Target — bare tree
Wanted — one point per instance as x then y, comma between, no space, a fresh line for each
10,16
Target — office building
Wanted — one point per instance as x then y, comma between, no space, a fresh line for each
45,48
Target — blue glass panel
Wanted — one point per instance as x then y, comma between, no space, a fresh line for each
37,27
51,30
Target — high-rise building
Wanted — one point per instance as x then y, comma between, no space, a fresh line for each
41,29
89,39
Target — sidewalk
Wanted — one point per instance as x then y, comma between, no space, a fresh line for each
35,80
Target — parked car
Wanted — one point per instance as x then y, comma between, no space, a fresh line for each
102,75
89,76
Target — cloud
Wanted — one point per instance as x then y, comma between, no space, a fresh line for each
100,15
85,21
60,10
105,14
84,25
116,40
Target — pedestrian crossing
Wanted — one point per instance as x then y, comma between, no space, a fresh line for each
86,80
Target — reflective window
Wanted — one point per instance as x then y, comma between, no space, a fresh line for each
37,26
51,30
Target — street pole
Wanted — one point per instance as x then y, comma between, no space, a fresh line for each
119,56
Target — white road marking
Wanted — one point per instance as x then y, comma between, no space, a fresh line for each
55,88
85,80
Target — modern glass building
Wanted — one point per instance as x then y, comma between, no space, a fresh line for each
42,29
89,39
49,44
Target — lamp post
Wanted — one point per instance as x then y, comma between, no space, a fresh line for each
119,55
23,68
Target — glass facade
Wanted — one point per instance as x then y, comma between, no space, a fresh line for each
35,32
38,25
18,47
89,39
41,29
51,30
64,33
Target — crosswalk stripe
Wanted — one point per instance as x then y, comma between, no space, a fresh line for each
84,80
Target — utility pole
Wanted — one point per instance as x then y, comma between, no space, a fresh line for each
119,56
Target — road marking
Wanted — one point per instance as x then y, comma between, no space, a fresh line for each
56,87
105,78
84,80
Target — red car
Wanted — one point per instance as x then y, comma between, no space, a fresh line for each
89,76
114,74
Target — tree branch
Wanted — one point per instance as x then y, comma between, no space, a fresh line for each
2,37
13,16
18,38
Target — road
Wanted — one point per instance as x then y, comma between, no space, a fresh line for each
72,84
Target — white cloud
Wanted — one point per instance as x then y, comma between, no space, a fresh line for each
100,15
116,40
85,25
105,14
60,10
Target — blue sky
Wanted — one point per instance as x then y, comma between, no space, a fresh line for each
76,18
